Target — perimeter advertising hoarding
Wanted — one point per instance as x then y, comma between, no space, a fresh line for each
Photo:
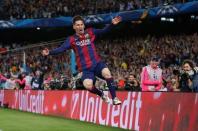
151,111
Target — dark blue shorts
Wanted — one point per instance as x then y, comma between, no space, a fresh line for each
94,71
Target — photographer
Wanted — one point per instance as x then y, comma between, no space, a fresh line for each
189,77
64,82
132,84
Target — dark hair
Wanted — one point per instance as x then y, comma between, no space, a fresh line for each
155,58
131,74
190,62
77,18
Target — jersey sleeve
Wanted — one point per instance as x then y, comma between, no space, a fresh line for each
106,29
65,46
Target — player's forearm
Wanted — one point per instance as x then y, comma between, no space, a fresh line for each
62,48
106,29
57,51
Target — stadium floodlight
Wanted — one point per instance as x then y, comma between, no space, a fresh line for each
38,28
192,17
171,20
163,19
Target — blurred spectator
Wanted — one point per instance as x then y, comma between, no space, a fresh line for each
2,81
37,81
21,81
28,79
10,83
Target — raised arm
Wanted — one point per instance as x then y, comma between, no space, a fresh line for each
107,28
66,45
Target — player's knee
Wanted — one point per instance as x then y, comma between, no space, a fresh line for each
106,73
88,84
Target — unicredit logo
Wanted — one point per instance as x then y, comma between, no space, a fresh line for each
93,109
29,102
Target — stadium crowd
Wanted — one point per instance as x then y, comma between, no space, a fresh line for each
23,9
125,58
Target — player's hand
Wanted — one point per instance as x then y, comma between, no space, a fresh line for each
45,52
116,20
144,15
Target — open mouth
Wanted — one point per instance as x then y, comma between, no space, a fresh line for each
81,31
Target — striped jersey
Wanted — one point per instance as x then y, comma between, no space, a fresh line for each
84,47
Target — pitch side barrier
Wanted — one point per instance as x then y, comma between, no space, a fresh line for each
141,111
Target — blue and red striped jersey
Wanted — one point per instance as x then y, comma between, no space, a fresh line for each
84,47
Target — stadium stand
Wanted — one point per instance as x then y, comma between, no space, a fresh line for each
139,49
22,9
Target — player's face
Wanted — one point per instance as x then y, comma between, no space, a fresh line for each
79,27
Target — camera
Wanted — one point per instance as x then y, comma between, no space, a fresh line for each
132,82
185,76
55,84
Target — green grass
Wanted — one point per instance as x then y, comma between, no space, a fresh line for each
12,120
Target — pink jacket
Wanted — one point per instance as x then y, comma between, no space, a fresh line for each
146,81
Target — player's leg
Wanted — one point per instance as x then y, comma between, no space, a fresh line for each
88,82
103,72
111,84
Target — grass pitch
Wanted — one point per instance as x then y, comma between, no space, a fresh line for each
13,120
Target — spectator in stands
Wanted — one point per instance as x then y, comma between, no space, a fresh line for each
37,80
21,81
174,84
2,81
151,76
28,79
137,50
10,83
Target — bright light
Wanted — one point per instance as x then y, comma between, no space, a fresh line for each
167,19
192,16
171,20
163,19
38,28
